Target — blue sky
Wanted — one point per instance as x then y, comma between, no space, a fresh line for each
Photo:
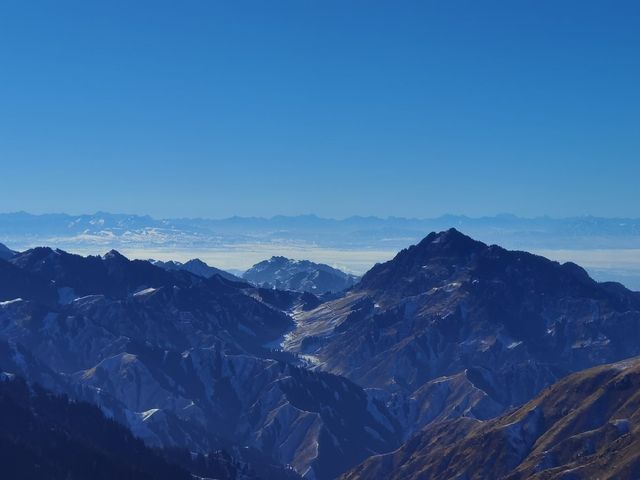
409,108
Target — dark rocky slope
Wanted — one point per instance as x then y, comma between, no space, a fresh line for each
182,360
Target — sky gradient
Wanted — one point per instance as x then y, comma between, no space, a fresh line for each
410,108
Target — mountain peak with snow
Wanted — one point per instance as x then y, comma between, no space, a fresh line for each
298,275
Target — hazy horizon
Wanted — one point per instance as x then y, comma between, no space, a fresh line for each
606,247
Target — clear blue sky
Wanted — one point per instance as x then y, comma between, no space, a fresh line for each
410,108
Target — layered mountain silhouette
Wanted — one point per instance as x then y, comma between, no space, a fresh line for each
183,361
299,275
452,335
197,267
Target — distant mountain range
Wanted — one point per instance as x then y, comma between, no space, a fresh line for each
453,355
607,247
21,230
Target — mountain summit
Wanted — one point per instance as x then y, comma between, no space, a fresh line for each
479,327
450,256
299,275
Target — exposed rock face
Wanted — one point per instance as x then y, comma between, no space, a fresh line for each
452,313
585,426
182,360
299,275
